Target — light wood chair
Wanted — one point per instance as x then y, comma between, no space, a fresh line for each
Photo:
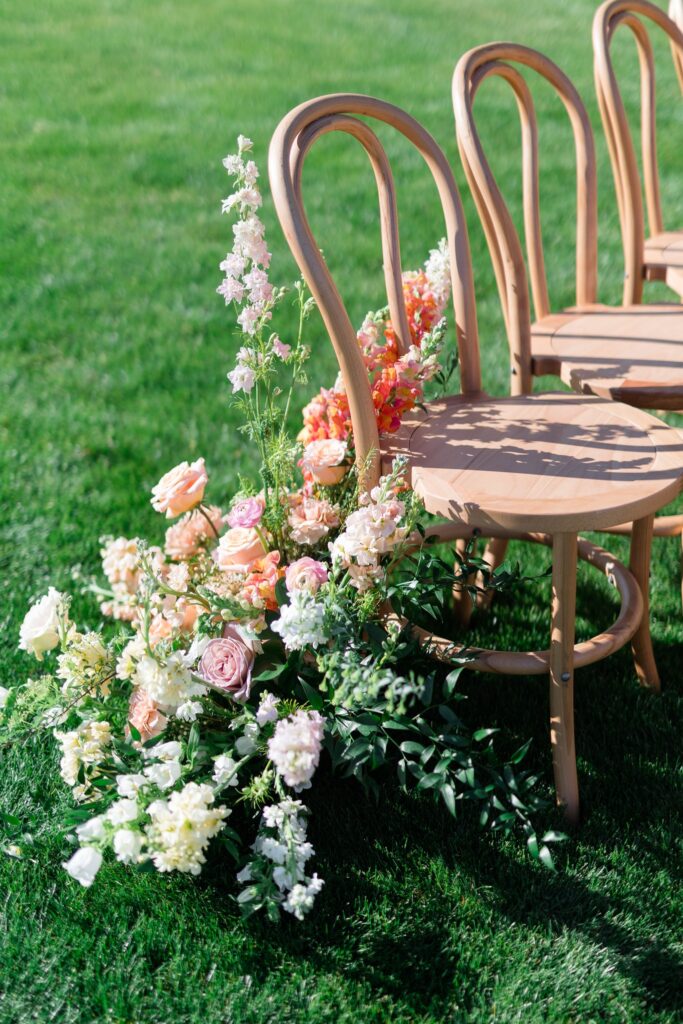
632,354
659,256
540,466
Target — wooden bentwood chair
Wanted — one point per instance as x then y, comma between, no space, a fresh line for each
632,354
658,257
543,467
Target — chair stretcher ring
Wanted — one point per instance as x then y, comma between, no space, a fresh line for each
537,662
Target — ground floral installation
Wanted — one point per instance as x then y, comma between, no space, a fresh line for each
255,638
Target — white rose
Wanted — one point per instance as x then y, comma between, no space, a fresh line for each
127,845
39,630
84,865
130,785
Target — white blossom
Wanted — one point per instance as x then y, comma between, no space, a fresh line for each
92,829
127,845
295,746
189,711
39,631
224,770
169,684
130,785
122,811
301,897
301,622
267,709
182,826
84,865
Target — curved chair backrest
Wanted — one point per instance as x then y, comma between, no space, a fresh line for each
497,59
608,18
676,15
292,140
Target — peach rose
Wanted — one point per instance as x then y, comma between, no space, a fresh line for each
311,520
145,716
324,461
180,489
238,549
227,664
305,574
190,534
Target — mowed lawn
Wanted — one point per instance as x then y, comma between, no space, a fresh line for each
115,116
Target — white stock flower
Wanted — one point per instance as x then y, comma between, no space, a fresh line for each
301,622
129,657
84,865
127,845
224,770
295,746
84,746
438,270
122,811
189,711
92,829
248,741
130,785
170,684
84,663
163,775
39,631
267,709
182,826
302,896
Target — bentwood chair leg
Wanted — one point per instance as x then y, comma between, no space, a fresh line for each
641,548
494,553
463,606
562,674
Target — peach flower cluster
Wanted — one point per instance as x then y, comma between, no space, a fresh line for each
193,532
311,519
396,382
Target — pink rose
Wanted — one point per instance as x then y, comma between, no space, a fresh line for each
238,549
311,519
305,574
246,513
323,460
180,489
227,664
145,716
190,534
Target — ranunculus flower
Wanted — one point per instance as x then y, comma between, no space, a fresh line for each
227,663
145,716
180,489
306,574
238,549
39,631
323,460
246,513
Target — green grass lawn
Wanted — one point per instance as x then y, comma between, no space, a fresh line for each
115,116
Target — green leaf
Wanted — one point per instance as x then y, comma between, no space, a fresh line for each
483,734
430,780
520,754
451,681
411,747
281,594
313,696
554,837
546,858
448,796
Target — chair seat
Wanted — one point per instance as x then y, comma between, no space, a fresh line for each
665,250
548,462
632,354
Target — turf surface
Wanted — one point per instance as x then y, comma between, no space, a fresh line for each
115,117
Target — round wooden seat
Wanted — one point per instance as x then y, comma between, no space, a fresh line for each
633,354
555,462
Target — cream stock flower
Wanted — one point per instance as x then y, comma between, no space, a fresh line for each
191,534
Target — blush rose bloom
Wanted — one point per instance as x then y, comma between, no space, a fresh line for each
40,629
246,513
145,716
238,549
311,519
180,489
190,534
324,461
227,664
305,574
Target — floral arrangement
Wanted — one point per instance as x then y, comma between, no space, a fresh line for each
254,641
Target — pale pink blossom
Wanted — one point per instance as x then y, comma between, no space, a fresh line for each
238,549
248,319
192,533
305,574
181,489
233,164
232,265
295,748
280,349
260,289
231,289
245,198
250,173
324,460
244,144
247,512
242,378
227,663
145,716
311,519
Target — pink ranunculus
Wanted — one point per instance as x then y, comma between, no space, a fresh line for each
247,513
190,534
145,716
181,489
305,574
238,549
324,461
227,663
